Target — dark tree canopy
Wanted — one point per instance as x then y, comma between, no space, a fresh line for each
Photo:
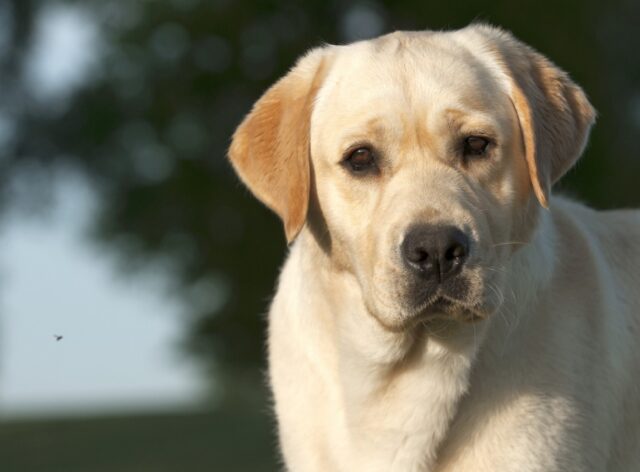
150,127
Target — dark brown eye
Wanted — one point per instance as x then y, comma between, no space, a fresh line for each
360,160
475,146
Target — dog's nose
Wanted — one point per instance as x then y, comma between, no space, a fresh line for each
435,252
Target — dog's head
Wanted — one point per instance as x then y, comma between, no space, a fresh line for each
417,160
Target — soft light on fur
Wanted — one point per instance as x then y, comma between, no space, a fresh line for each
534,366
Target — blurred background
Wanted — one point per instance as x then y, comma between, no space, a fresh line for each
134,268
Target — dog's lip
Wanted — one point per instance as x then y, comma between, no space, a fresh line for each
437,307
438,304
442,305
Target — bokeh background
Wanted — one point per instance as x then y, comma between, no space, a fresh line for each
123,229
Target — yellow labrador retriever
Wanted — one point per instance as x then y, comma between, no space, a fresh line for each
439,309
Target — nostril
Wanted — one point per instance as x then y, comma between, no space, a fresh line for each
455,252
418,256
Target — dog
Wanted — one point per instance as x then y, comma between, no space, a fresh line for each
439,309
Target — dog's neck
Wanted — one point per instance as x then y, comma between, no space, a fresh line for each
382,375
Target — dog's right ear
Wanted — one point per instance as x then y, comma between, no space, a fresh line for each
270,148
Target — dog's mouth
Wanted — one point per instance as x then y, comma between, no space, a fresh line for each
453,299
441,306
437,309
420,304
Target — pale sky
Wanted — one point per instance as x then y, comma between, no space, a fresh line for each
119,347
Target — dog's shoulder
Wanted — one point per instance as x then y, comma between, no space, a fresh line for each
604,242
617,230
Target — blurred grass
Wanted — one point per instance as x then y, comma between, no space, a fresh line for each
177,442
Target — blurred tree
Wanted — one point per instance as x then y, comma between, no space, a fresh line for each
172,79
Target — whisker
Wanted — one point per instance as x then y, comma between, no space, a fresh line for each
496,269
470,202
500,305
444,325
475,337
511,322
510,243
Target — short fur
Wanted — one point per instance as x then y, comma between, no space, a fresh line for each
536,367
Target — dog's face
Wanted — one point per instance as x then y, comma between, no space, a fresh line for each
419,170
416,158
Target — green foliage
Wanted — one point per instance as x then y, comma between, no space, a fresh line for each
151,127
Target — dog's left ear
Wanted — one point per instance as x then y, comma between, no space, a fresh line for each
554,113
270,148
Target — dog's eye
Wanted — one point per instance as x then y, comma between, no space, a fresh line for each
475,146
360,160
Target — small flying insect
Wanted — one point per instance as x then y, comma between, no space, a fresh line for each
58,337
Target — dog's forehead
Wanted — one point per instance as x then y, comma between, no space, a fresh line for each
409,70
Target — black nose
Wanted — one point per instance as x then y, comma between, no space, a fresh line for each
435,252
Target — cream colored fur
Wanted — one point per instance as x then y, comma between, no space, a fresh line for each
539,368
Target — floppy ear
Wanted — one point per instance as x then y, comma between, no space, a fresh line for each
270,148
554,113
